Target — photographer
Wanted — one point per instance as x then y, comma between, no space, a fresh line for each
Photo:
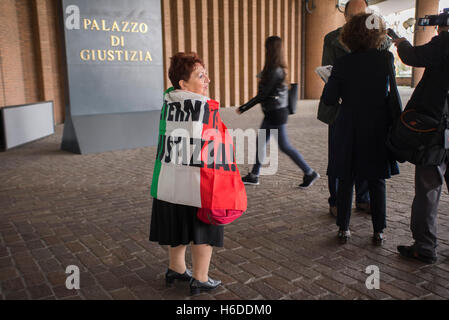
429,98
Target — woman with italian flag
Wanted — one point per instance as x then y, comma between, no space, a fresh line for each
196,183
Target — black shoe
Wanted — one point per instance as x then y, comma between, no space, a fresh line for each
410,252
309,180
363,206
197,287
378,238
171,276
343,236
251,179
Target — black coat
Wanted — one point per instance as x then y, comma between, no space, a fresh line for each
361,81
430,94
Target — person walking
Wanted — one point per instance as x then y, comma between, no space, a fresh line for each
181,190
361,81
273,96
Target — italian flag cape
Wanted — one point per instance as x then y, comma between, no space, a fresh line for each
195,163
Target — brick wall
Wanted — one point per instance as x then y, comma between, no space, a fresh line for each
27,46
48,41
11,56
30,54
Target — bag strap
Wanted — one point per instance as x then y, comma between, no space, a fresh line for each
392,77
391,72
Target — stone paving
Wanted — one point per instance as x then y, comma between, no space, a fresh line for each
93,211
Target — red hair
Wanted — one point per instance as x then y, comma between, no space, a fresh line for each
181,67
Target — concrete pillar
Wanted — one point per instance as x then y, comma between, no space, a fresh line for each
423,35
323,19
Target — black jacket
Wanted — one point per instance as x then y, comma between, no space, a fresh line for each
272,94
430,94
361,80
333,49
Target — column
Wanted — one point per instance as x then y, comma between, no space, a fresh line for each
323,19
423,35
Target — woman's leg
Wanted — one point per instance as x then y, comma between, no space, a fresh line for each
377,192
201,255
344,203
259,159
177,259
288,149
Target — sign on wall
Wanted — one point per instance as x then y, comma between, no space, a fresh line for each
115,74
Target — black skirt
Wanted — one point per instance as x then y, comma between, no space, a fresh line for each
176,224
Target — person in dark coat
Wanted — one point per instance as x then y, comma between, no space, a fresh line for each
360,81
333,49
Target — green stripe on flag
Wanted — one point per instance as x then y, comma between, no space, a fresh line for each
157,165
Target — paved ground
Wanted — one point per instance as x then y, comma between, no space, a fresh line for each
93,211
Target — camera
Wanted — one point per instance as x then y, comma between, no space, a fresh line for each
392,34
441,19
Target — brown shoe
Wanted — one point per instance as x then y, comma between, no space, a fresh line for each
333,211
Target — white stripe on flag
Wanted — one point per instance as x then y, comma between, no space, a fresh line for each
185,189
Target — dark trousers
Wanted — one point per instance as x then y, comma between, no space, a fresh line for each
284,145
377,192
361,185
428,185
361,190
